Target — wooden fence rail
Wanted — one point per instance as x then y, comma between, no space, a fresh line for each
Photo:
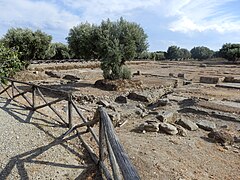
107,142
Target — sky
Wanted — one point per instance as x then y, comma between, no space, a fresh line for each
184,23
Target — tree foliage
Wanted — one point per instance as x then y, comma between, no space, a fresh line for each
230,52
31,45
201,52
59,51
9,62
175,52
112,42
83,40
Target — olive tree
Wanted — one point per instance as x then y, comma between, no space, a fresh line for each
30,44
82,41
201,52
112,42
174,52
230,52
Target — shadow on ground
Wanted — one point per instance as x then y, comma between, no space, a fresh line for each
18,161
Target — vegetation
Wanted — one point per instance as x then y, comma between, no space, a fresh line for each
176,53
83,41
201,52
59,51
9,62
31,45
230,52
111,42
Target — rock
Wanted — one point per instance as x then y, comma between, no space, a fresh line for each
186,83
181,75
71,77
221,136
168,128
188,124
202,65
141,107
103,103
206,125
150,126
138,97
53,74
146,96
166,116
121,99
115,117
228,79
138,73
209,80
106,85
171,74
160,102
181,131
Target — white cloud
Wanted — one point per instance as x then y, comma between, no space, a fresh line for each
36,15
204,15
95,11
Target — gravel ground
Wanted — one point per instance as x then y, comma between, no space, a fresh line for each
30,148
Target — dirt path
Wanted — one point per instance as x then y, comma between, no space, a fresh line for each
30,147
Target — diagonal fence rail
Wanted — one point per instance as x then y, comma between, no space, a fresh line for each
112,160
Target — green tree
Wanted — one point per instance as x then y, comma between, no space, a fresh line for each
230,52
61,51
201,52
185,53
82,41
174,52
31,45
111,42
9,62
119,41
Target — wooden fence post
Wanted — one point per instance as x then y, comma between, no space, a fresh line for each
70,110
33,97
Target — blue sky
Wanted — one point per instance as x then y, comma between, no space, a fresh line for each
185,23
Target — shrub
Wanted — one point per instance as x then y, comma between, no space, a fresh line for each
9,62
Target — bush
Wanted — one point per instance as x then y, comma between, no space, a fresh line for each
126,73
9,62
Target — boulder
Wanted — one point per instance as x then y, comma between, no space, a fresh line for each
138,97
159,103
121,99
189,125
53,74
167,116
221,136
71,77
168,128
150,126
206,125
181,131
147,96
202,65
209,80
181,75
138,73
186,83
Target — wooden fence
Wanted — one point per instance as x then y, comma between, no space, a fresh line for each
109,147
